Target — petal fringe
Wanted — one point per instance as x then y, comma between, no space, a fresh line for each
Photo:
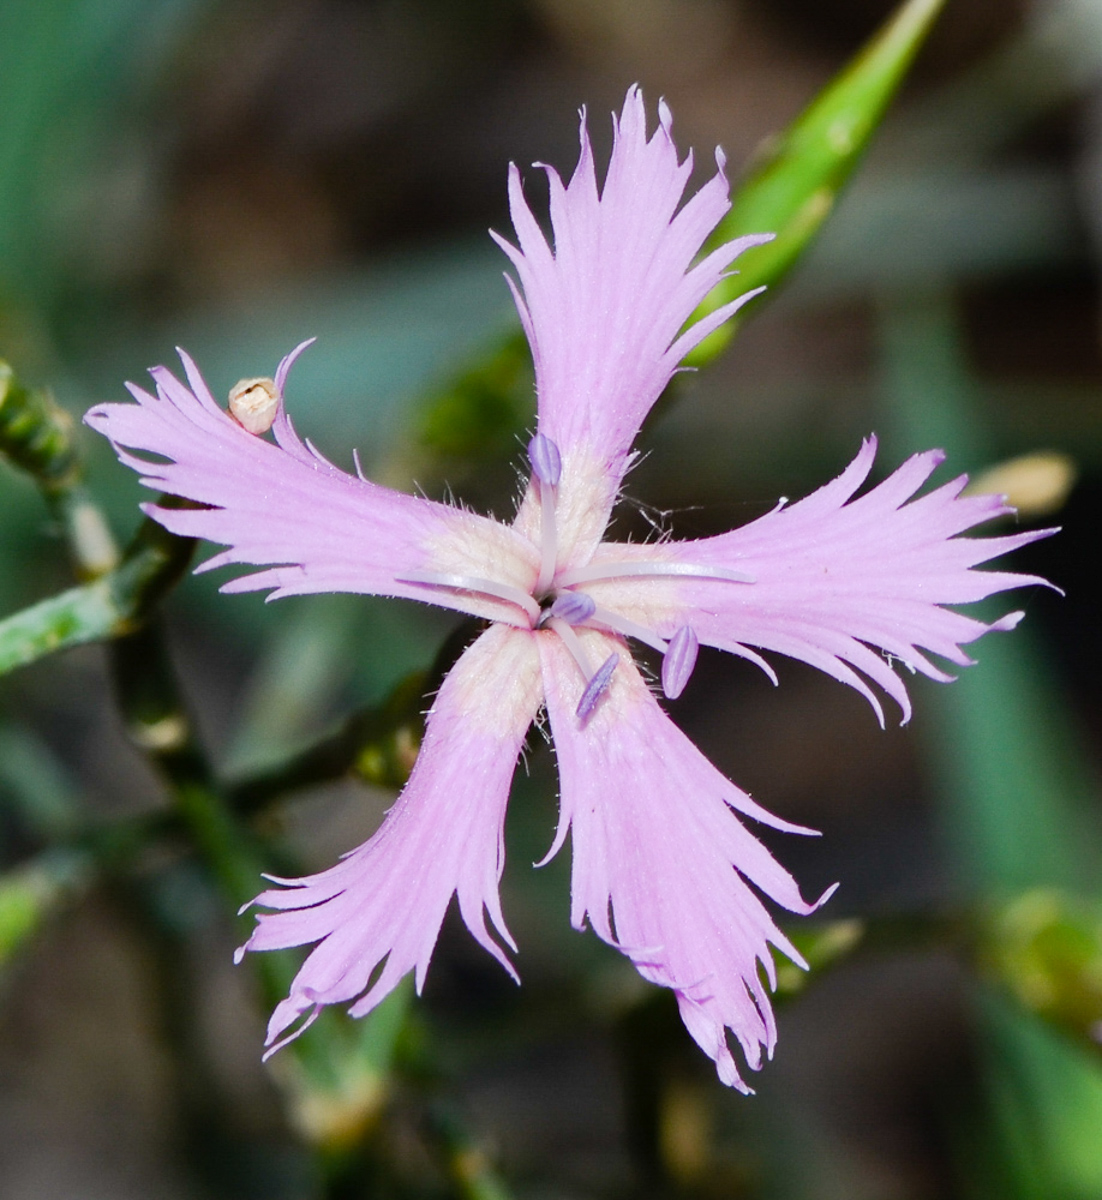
853,586
376,915
603,308
284,506
662,867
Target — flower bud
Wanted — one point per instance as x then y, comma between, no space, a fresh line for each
254,404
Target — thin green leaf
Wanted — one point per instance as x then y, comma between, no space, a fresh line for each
794,187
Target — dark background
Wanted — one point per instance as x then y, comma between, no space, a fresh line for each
233,177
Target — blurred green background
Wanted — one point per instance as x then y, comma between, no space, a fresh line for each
235,176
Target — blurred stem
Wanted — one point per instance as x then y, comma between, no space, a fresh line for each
158,724
465,1163
334,1079
38,889
379,744
36,435
107,607
214,1142
472,421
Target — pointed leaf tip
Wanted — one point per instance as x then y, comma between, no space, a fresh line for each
795,186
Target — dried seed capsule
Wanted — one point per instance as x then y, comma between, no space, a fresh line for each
254,404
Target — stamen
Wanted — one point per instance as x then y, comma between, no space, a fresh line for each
596,687
656,568
596,682
572,642
629,628
546,460
572,607
479,586
549,538
679,661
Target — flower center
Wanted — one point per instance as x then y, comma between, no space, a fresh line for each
556,604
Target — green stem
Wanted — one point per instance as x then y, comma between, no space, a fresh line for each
158,724
333,1077
466,1164
35,891
379,744
92,546
36,435
104,608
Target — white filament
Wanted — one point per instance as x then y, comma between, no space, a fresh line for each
478,586
573,643
549,540
624,570
629,628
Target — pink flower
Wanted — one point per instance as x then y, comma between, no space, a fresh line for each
664,869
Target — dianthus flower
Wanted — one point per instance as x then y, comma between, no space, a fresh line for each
663,869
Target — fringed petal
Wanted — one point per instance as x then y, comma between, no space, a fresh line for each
376,915
604,307
852,586
284,506
662,867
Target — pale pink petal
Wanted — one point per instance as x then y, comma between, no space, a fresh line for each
377,913
662,867
604,309
855,587
283,506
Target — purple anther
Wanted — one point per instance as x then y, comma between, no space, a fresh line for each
573,607
678,663
546,460
596,687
